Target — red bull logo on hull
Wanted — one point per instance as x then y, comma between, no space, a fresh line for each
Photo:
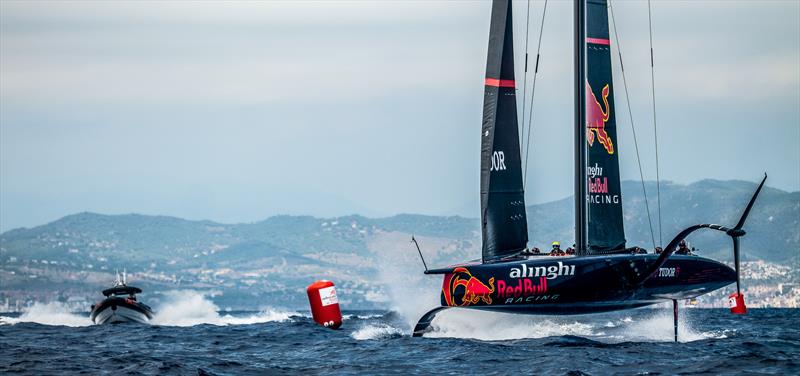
524,287
474,289
596,119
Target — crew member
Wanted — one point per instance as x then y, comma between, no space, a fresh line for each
536,251
659,250
556,251
682,248
571,250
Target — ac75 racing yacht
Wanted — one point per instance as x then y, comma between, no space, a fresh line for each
604,275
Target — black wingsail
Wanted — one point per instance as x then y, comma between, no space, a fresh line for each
606,233
504,224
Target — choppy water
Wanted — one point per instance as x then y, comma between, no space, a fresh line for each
193,338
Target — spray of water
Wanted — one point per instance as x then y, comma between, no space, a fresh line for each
636,326
657,326
362,317
188,308
50,314
379,331
491,326
183,308
411,293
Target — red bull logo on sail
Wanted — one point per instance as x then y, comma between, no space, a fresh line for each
596,119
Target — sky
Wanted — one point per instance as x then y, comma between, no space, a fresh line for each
238,111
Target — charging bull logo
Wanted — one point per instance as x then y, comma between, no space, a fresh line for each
474,290
596,119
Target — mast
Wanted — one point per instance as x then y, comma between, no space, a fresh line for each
580,128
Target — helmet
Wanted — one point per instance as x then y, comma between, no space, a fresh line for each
683,243
556,244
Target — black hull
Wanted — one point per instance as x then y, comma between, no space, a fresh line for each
545,285
569,285
116,310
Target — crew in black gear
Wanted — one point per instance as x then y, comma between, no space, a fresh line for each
683,249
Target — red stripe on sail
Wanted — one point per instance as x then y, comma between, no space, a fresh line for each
499,83
598,41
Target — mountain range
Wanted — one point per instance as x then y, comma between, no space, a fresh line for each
276,258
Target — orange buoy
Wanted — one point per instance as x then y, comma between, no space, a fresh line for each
324,304
736,301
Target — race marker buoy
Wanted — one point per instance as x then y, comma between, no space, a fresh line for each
736,301
324,304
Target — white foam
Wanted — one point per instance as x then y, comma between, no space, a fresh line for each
50,314
411,293
381,331
489,326
658,327
361,317
643,326
266,315
188,308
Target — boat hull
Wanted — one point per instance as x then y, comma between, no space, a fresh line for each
570,285
117,310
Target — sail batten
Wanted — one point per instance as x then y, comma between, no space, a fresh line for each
504,226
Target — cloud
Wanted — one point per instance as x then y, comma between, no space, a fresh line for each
126,106
213,53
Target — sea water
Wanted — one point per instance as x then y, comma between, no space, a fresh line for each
191,336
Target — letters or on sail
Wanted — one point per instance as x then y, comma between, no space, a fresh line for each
503,221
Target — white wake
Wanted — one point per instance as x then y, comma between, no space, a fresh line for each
180,308
189,308
379,331
50,314
634,326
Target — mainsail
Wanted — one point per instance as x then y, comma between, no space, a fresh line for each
606,233
503,221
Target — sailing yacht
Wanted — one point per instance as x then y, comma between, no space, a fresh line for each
604,275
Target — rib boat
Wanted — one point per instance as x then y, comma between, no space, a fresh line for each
120,305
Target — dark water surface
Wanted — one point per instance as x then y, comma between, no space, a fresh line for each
766,341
